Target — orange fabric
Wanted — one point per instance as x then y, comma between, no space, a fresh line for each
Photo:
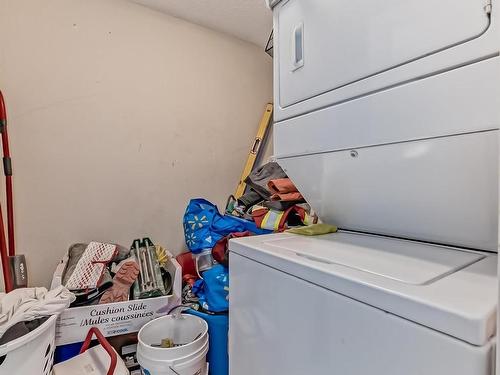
281,186
283,189
268,219
258,214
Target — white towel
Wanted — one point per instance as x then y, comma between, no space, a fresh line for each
26,304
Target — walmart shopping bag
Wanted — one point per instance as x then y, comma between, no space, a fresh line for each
204,225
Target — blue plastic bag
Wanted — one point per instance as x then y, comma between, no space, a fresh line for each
204,225
213,289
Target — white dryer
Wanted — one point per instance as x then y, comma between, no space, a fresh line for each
388,117
330,51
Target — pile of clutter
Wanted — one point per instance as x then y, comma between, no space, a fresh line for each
116,291
101,273
94,274
272,203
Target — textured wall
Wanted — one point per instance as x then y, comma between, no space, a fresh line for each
118,115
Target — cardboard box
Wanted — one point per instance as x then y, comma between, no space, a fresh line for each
115,318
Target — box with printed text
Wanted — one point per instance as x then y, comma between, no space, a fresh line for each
115,318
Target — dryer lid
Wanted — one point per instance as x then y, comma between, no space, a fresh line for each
408,262
444,288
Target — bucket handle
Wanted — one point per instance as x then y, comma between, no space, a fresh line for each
105,344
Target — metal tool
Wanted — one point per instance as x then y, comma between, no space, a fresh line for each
149,283
265,121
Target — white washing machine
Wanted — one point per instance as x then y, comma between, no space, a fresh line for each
387,120
357,304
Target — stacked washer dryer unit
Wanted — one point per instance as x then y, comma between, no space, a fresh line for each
387,118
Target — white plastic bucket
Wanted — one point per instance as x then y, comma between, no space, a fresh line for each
189,359
31,354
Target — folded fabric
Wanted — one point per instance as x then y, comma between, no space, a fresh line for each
281,185
90,267
266,218
287,197
17,330
220,252
22,305
280,220
75,252
283,189
20,329
314,229
122,253
278,205
259,178
249,199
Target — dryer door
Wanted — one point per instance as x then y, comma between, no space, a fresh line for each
441,190
328,44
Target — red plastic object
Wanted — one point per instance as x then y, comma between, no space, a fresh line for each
105,344
10,216
187,263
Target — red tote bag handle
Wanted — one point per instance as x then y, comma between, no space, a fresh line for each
105,344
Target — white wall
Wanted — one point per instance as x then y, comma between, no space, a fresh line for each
117,116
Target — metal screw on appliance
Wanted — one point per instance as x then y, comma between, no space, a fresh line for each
354,154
